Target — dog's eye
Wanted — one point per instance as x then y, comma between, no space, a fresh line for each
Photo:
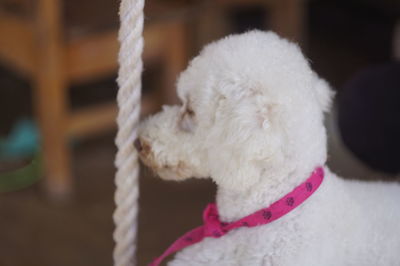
187,122
190,112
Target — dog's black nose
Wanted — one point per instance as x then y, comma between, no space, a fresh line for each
138,145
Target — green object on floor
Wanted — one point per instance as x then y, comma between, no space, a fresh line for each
23,142
23,177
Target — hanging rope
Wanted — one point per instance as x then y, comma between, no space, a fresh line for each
126,179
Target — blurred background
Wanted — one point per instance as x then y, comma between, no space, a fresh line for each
57,110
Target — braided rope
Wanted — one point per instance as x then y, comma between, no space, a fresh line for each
126,179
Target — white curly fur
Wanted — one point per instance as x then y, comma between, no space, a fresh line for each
252,120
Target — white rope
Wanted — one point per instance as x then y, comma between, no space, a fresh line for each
126,179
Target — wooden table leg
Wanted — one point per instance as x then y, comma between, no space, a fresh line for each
51,98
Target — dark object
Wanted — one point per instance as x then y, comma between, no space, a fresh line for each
138,145
246,18
369,117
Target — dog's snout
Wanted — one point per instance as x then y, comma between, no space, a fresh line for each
138,145
144,151
142,146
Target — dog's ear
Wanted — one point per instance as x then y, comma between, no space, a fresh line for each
324,93
239,91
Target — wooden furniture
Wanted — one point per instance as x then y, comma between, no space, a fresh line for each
42,47
39,39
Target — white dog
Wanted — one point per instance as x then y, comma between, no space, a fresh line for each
252,120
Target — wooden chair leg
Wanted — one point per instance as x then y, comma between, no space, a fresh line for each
51,98
50,107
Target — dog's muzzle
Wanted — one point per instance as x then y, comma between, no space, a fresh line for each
138,145
144,150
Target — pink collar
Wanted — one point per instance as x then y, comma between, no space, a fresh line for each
213,227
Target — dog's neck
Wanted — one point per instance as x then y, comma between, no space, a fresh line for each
234,205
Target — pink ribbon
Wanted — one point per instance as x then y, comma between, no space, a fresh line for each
213,227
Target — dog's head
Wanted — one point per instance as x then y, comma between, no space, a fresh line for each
251,107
